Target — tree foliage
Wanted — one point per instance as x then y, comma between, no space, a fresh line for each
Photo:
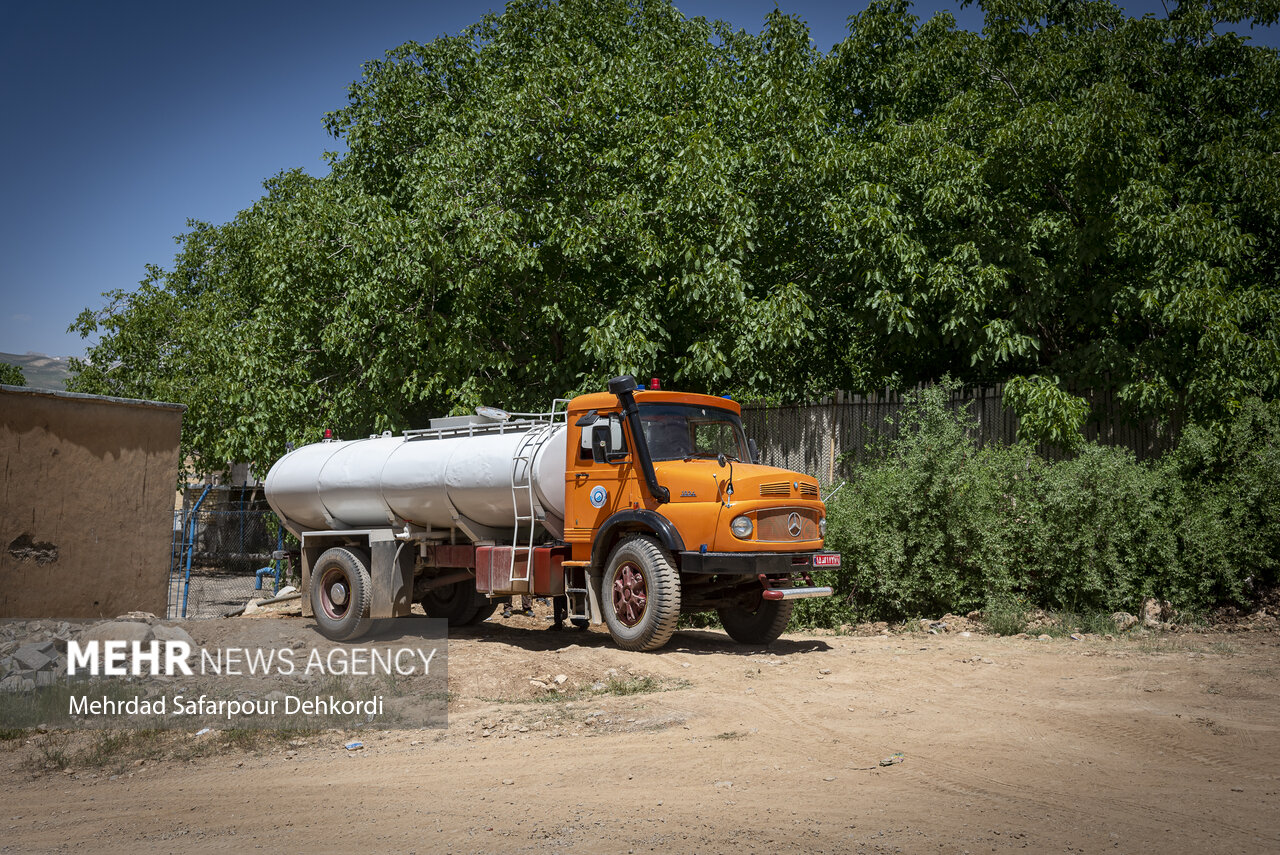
567,191
1077,194
11,375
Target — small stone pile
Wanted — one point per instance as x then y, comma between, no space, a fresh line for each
34,653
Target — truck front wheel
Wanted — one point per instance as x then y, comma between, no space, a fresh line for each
640,594
761,626
340,594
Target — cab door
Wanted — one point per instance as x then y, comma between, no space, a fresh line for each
598,479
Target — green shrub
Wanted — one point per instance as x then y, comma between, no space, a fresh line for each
931,527
1227,490
1101,526
939,525
1006,615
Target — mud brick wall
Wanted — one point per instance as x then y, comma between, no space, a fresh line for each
86,503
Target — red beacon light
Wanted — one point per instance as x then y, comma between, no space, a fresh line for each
654,384
328,433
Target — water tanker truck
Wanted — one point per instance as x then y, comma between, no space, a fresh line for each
633,505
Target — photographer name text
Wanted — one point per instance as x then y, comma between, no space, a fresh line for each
181,705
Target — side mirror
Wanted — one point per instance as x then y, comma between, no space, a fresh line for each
600,442
754,449
607,444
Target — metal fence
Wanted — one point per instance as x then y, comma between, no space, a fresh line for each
223,545
828,438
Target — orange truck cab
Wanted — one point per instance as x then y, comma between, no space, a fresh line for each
667,512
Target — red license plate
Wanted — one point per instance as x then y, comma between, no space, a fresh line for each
828,559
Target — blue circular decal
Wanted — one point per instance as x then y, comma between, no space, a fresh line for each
599,495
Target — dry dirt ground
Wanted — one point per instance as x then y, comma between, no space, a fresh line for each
1163,743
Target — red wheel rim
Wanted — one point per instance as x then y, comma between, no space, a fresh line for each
333,577
630,594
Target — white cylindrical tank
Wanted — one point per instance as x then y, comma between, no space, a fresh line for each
422,479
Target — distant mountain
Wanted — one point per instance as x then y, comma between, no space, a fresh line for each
42,372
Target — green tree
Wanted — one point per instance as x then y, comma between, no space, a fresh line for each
11,375
555,195
571,190
1071,194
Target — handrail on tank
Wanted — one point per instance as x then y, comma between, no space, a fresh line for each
470,430
524,421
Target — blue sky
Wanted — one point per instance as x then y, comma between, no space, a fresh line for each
124,119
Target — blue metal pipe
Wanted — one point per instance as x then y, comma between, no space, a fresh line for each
274,567
189,545
262,571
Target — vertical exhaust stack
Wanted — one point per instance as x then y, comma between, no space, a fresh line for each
624,389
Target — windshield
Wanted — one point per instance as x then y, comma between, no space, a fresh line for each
681,431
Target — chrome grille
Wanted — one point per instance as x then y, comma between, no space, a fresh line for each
774,524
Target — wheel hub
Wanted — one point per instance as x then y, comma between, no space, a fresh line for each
630,594
335,593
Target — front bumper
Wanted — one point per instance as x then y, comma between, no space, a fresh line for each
756,563
796,593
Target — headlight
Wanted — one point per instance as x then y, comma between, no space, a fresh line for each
822,527
741,527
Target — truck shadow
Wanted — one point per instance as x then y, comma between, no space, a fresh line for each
689,642
704,641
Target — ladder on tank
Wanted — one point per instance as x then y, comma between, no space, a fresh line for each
522,490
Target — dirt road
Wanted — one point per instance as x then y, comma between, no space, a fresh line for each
1164,743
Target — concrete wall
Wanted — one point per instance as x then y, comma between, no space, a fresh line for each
86,504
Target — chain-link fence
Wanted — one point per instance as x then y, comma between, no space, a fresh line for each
222,539
827,439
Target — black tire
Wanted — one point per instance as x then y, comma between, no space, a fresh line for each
640,594
340,594
487,608
762,626
455,603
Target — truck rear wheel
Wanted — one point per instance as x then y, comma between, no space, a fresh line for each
487,608
340,594
455,603
640,594
762,626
